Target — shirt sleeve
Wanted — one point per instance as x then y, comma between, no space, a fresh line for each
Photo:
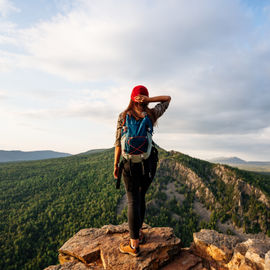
160,108
118,130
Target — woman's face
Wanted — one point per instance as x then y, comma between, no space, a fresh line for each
141,105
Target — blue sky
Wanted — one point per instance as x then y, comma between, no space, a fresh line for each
67,69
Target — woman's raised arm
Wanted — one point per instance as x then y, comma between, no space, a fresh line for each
142,98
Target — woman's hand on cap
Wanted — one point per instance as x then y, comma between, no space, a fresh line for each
141,98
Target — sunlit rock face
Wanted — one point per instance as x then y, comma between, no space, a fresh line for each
98,248
230,252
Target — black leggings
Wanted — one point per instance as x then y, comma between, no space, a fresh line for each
136,185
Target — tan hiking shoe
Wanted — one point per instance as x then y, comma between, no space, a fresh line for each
126,248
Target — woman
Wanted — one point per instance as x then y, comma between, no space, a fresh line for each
136,184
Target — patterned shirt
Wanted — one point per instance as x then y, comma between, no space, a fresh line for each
158,110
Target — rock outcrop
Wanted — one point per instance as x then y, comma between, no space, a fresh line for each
97,249
222,251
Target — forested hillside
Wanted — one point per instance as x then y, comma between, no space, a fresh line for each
44,203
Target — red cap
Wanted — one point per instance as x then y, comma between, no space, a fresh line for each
139,90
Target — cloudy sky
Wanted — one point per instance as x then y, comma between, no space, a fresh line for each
67,69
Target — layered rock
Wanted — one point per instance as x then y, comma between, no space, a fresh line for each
185,261
231,252
97,249
214,246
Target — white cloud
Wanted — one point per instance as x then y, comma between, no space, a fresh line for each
253,146
10,61
210,56
3,95
8,33
116,39
95,105
6,7
203,53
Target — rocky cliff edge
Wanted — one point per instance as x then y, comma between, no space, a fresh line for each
97,249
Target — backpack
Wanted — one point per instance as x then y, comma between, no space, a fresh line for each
136,138
137,146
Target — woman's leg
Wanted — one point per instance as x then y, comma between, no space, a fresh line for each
143,189
134,217
133,196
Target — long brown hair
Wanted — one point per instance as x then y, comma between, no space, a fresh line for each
130,110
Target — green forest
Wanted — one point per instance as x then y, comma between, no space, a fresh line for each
44,203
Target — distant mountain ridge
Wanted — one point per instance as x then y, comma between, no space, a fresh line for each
17,155
237,160
93,151
256,166
228,160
